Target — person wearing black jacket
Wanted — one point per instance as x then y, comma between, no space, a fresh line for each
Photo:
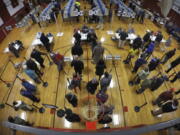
33,66
177,76
174,64
123,35
168,55
169,106
137,43
78,66
153,64
72,99
77,37
70,116
13,50
157,82
159,38
92,85
146,37
37,55
45,42
100,66
77,50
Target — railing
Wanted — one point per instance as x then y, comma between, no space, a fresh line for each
113,131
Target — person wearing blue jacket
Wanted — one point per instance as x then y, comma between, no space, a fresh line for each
149,50
29,95
139,62
28,86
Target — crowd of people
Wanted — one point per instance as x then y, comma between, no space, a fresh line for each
141,49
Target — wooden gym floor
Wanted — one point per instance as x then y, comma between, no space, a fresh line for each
120,93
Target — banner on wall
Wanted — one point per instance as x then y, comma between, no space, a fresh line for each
1,21
166,6
13,7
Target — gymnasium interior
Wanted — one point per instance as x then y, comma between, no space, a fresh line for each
66,68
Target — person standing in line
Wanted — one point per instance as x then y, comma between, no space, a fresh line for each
137,43
45,42
92,85
168,55
142,75
76,50
19,121
154,62
123,35
102,97
32,74
29,95
58,59
97,53
167,107
139,62
147,36
100,66
78,66
149,50
77,37
177,76
22,105
28,86
75,82
37,55
152,83
105,81
157,82
33,66
173,64
72,99
163,97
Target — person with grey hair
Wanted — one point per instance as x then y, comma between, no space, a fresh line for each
97,53
92,85
105,81
142,75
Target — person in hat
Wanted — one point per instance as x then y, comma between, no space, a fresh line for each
163,97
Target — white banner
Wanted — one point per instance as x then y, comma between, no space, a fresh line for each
12,10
